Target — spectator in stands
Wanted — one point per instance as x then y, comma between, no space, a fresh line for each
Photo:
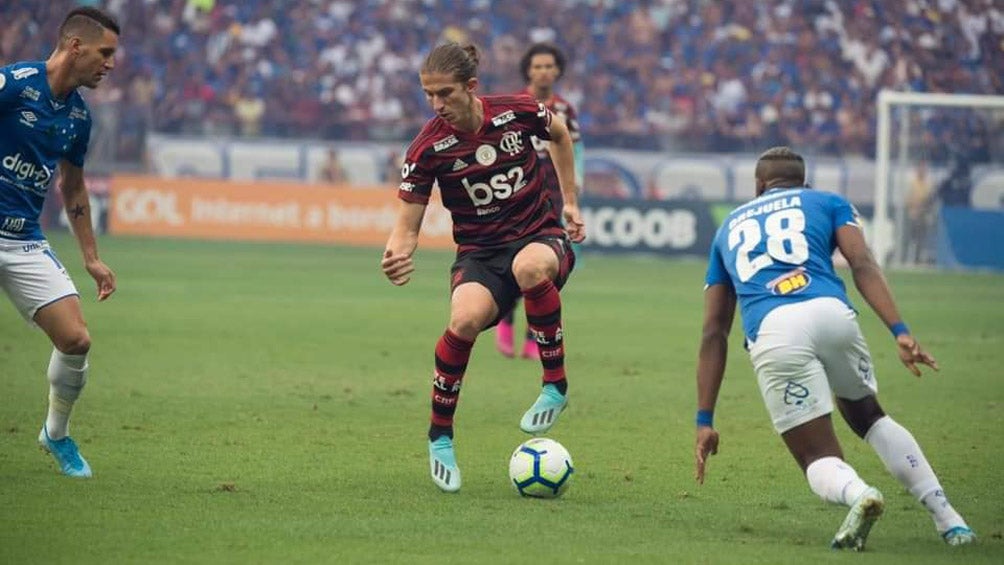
957,188
249,108
919,214
331,171
729,65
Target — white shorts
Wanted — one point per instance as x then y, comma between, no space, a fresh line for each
32,276
806,352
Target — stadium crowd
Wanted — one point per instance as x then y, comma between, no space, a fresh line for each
670,74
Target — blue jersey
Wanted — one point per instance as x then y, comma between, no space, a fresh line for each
778,249
38,131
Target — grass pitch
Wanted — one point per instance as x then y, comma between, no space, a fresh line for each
268,403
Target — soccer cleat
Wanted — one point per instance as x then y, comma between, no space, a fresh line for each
544,412
959,535
859,521
443,464
66,454
503,338
530,349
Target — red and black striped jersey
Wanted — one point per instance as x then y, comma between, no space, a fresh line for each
489,180
559,107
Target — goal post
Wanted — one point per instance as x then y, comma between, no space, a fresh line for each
896,148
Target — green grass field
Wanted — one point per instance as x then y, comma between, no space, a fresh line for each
268,403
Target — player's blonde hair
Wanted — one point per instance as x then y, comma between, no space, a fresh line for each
460,61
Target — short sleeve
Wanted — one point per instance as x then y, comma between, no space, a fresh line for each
8,91
416,179
78,151
843,212
717,273
542,122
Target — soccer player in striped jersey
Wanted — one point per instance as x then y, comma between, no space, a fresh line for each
510,239
46,125
542,66
774,256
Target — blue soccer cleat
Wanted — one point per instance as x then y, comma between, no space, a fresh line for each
859,521
443,464
66,454
959,535
544,412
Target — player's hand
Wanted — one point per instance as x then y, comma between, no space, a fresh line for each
397,268
707,445
910,353
103,276
574,226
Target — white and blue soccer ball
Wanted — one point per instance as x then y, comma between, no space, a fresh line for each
541,468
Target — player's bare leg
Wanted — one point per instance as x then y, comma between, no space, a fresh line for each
815,447
535,268
904,459
471,309
63,322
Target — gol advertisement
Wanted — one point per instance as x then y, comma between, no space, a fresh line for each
263,211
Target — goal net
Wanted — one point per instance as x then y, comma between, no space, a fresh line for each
934,153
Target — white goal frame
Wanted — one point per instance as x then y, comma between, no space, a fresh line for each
884,227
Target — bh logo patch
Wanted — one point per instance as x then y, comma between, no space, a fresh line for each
791,282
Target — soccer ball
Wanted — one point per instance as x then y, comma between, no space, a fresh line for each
541,468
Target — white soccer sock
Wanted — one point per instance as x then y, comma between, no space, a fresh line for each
67,376
903,458
834,480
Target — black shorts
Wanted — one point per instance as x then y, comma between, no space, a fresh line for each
492,268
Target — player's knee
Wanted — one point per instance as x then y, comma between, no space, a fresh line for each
863,424
77,342
467,325
530,273
861,414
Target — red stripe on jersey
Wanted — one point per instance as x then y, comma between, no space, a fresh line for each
491,180
561,107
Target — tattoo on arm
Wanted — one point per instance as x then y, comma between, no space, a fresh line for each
78,210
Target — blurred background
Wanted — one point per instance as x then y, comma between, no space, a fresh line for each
675,100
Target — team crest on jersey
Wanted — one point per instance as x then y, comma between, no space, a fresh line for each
30,93
20,74
486,155
503,118
512,142
791,282
445,143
